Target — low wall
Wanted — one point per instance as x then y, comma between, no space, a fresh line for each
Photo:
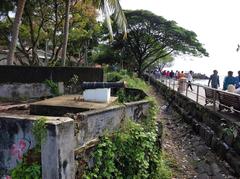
57,153
69,139
32,74
16,91
220,133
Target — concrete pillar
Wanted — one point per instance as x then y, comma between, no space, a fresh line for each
58,150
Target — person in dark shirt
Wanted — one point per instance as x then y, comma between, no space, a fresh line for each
238,80
214,80
229,80
171,74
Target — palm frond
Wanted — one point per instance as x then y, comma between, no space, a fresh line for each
118,15
109,7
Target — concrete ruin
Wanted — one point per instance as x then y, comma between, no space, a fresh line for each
71,131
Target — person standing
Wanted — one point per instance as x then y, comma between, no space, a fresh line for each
229,80
171,74
238,80
214,80
189,80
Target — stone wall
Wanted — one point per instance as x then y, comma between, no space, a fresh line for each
220,133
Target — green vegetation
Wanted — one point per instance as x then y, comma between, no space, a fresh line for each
53,87
133,151
152,40
40,131
130,78
30,167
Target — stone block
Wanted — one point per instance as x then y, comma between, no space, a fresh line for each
202,131
222,149
208,137
214,143
228,138
234,160
195,126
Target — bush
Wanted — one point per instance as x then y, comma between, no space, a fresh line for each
131,152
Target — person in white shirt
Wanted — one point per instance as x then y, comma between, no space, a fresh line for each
189,80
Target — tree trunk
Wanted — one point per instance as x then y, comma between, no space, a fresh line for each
15,31
65,32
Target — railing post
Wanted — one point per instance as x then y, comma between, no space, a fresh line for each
197,93
214,100
173,84
186,88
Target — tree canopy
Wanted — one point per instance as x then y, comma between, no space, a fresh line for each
152,37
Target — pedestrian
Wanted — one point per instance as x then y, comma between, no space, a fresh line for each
238,80
181,75
171,74
189,80
229,80
214,80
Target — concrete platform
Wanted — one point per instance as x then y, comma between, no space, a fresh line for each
58,106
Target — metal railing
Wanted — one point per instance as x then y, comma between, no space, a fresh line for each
199,93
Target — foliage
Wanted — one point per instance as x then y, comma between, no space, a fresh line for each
30,167
40,131
53,87
151,37
129,153
131,79
103,54
25,171
123,97
41,28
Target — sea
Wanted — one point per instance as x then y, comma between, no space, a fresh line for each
205,82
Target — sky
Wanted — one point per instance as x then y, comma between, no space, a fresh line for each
216,23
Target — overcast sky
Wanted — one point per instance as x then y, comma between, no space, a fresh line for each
216,22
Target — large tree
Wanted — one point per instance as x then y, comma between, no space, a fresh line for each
151,37
41,30
107,7
15,31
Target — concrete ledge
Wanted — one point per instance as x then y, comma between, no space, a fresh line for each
57,154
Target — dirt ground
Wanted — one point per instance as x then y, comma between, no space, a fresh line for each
187,154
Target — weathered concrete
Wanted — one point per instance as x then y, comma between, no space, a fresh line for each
65,136
57,155
61,105
92,124
16,91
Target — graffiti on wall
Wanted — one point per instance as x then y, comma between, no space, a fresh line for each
13,145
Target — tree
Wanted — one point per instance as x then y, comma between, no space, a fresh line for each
15,31
109,6
41,30
151,37
65,32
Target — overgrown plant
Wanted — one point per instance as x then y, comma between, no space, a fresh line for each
30,167
54,89
40,132
132,80
131,152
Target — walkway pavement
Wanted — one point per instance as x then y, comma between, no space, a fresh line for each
200,98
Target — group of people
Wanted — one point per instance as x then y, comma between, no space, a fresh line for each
231,83
169,74
175,75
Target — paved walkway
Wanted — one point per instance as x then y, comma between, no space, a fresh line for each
199,89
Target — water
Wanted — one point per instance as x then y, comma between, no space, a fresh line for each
205,82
